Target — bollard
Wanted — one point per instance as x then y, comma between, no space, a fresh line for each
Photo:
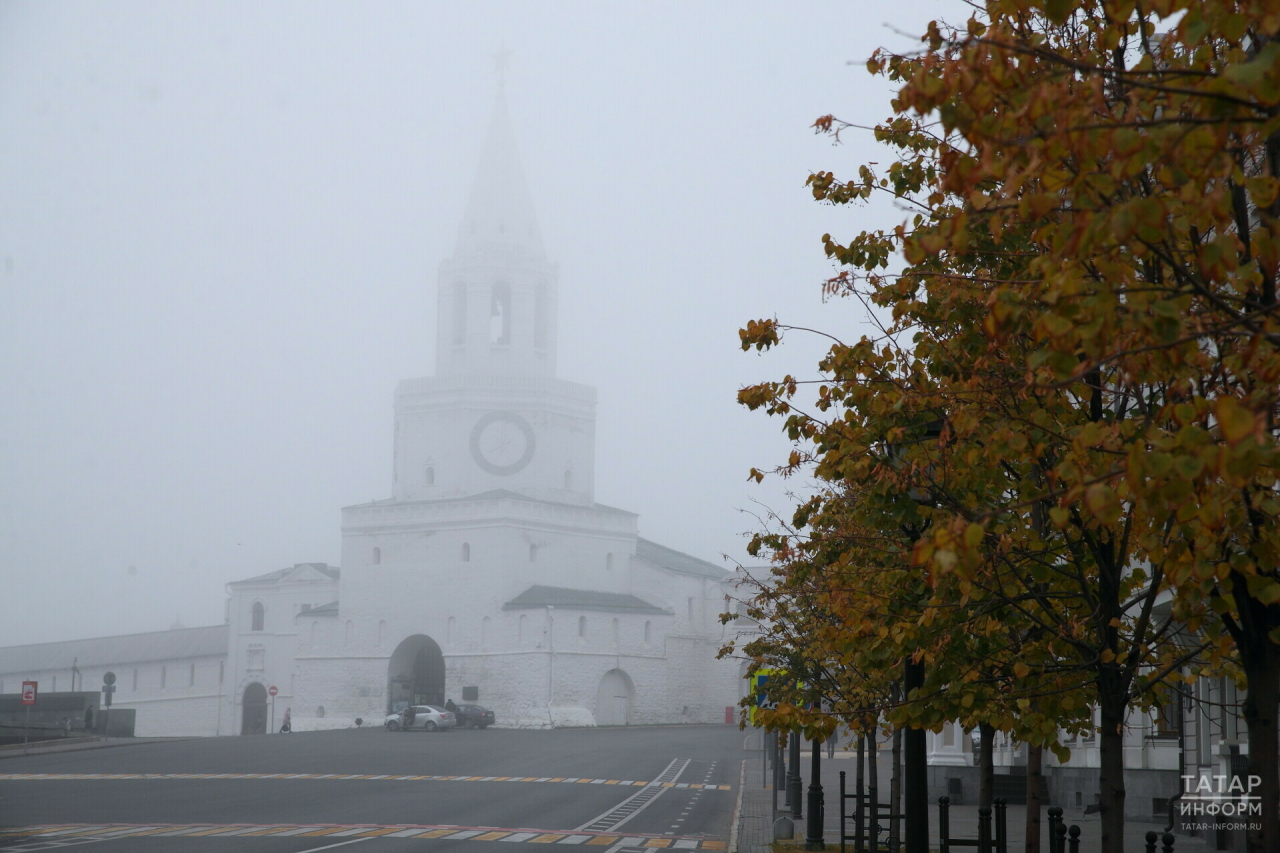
944,825
1073,844
984,829
1055,820
1060,830
1168,842
1151,841
1002,827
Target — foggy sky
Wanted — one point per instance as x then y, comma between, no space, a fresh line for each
220,226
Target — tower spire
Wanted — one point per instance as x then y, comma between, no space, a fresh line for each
499,214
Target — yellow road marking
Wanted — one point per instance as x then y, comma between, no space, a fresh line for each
658,842
546,839
604,840
323,831
713,845
491,836
375,832
269,831
559,779
436,833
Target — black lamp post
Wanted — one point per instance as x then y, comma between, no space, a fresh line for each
813,830
916,807
794,784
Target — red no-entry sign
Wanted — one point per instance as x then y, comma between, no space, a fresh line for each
272,690
29,692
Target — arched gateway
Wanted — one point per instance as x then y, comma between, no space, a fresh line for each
415,675
613,699
253,721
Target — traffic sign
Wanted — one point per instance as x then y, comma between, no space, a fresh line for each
272,690
29,692
109,679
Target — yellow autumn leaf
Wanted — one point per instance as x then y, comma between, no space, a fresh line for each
1235,421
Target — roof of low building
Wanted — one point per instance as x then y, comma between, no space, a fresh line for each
122,649
581,599
280,574
677,561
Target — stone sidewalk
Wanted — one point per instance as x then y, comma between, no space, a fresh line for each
755,819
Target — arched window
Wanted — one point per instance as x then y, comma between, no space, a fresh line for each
451,632
616,632
484,632
164,676
608,562
466,552
533,553
377,556
320,711
568,479
647,634
382,632
521,628
192,680
541,311
459,314
429,475
315,626
582,626
259,617
500,315
351,632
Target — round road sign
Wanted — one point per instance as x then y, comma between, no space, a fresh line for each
109,678
272,690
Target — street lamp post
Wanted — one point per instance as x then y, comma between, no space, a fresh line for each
813,830
916,807
794,783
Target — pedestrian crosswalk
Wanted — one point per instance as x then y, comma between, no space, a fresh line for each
59,835
341,777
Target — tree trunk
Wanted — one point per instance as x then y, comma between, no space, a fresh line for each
1111,772
1035,785
1261,704
986,764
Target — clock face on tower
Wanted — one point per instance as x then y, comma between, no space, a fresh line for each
502,443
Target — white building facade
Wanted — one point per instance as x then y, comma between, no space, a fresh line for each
490,574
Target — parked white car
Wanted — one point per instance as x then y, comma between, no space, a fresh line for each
427,717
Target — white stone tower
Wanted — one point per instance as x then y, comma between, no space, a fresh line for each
495,416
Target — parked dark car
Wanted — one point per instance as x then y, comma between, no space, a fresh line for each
473,716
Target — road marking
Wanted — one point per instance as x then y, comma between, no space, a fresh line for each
339,844
62,834
117,777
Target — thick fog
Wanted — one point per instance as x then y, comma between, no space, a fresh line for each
220,229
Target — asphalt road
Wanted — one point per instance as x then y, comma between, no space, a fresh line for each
613,789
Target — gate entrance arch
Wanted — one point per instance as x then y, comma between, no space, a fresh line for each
415,675
253,720
613,699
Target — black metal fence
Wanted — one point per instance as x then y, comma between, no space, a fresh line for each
873,822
